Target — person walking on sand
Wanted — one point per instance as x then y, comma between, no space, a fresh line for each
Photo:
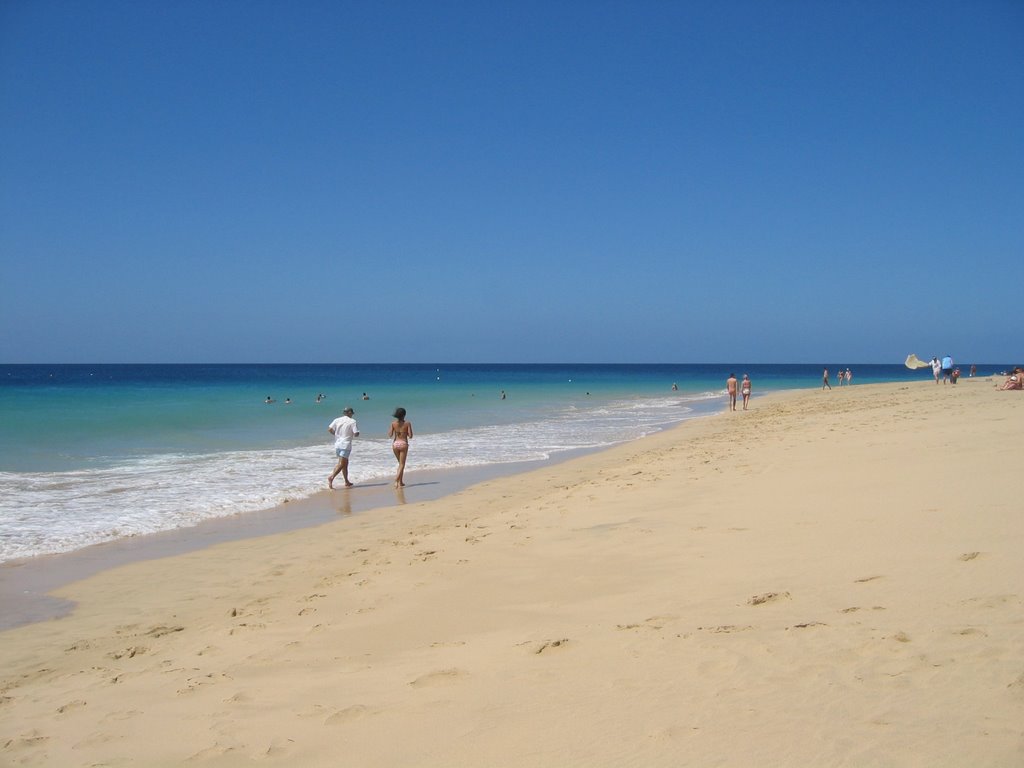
936,369
400,434
824,380
745,386
344,428
730,388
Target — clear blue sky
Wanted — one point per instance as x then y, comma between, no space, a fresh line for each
511,181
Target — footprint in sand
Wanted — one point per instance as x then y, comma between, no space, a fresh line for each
654,622
195,683
968,556
768,597
725,629
216,750
278,748
991,601
551,644
31,739
1017,686
121,716
162,630
441,677
867,579
128,653
347,715
95,739
245,627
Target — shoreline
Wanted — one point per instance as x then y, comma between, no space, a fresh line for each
842,565
26,584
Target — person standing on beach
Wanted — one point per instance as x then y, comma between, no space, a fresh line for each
947,369
849,377
730,387
344,428
824,380
745,387
400,434
936,369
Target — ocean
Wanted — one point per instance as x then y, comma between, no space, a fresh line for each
94,453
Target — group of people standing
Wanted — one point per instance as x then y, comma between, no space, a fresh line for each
842,377
345,429
945,370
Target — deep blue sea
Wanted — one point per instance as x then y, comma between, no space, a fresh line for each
91,453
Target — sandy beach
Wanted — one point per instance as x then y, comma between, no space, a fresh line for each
829,579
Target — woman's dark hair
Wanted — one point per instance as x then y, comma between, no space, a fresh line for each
399,414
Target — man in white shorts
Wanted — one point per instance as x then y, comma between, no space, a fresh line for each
344,428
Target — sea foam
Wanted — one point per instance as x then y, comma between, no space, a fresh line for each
52,512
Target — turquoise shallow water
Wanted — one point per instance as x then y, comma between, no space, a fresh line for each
94,453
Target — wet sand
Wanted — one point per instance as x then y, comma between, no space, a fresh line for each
26,585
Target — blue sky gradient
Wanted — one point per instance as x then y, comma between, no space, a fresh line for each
511,182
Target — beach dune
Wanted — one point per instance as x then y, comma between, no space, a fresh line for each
831,578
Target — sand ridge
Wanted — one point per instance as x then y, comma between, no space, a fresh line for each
831,578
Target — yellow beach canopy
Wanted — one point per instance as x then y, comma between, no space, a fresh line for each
913,362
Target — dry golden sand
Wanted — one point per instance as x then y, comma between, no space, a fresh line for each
829,579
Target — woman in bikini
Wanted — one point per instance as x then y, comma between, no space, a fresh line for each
400,434
745,390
